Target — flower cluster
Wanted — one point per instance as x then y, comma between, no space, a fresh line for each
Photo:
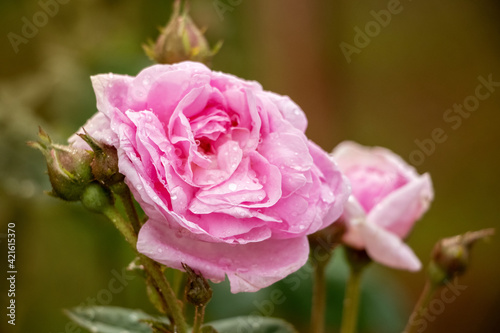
230,183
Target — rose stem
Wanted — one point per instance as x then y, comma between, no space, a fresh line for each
122,190
351,303
421,306
199,314
151,267
319,297
357,260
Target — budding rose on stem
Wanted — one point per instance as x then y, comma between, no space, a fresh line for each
223,169
388,197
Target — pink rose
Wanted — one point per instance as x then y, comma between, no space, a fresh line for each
388,197
230,183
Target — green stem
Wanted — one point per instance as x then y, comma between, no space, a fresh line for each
351,302
425,297
151,267
123,191
122,225
199,314
319,297
177,281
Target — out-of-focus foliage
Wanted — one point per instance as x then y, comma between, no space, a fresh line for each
394,91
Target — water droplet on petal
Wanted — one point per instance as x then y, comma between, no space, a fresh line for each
173,196
302,227
197,142
233,187
225,262
160,250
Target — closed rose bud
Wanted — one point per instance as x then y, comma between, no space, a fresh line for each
68,167
198,291
97,198
105,162
180,40
450,256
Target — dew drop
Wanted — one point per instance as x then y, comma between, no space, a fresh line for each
160,250
225,262
173,197
197,142
301,227
233,187
146,81
93,329
139,187
260,197
235,148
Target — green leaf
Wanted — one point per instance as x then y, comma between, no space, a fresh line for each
110,319
252,324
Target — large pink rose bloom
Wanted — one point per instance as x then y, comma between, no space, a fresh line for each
388,197
230,183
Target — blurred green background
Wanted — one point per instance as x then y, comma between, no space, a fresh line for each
394,91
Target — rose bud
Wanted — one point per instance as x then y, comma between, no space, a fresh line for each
388,197
180,40
198,291
68,167
450,256
97,198
105,162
